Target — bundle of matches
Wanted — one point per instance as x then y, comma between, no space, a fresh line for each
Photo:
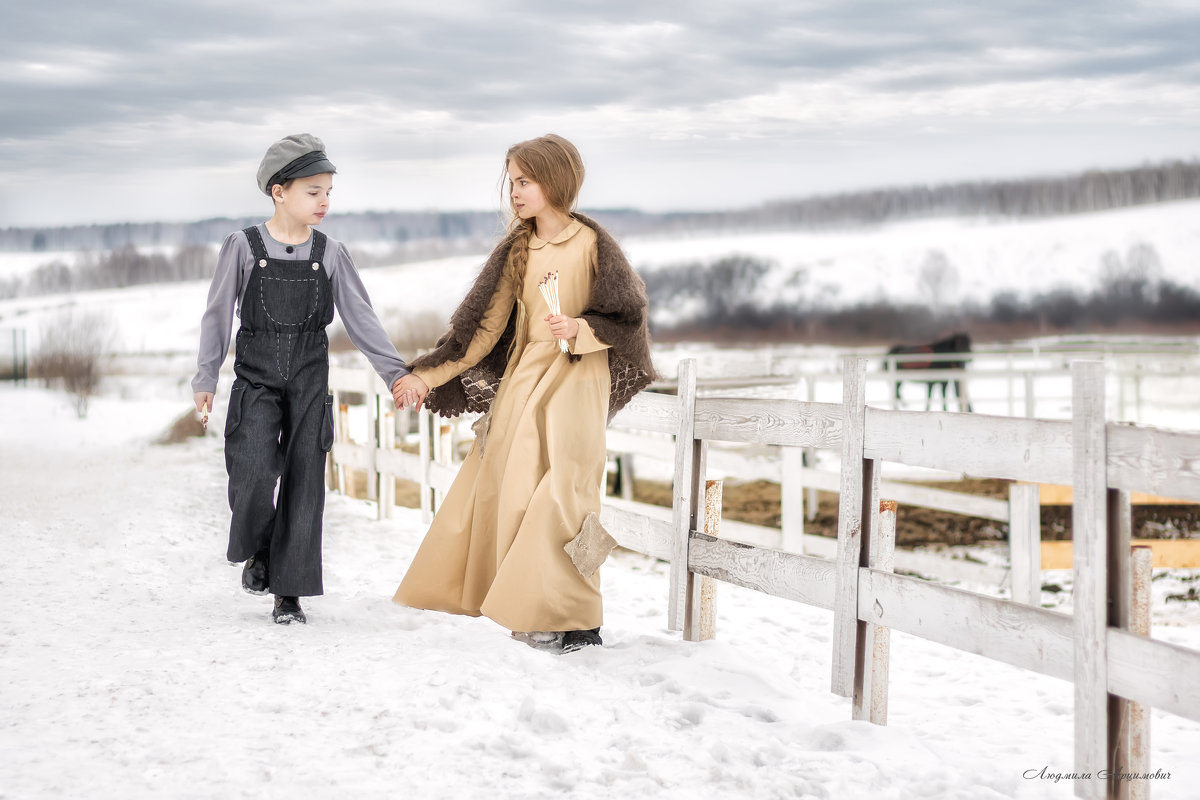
549,289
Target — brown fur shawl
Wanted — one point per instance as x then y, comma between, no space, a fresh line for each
616,311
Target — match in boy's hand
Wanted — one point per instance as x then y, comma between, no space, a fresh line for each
204,401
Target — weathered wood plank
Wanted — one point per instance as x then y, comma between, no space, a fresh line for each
352,455
769,421
402,465
1160,462
1031,638
791,576
440,477
636,531
907,494
851,518
1154,673
650,412
1089,526
1166,553
978,444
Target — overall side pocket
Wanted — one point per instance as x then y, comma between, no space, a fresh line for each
234,417
327,425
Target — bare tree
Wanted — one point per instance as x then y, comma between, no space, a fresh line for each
937,279
73,345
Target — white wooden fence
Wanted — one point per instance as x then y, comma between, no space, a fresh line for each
1111,666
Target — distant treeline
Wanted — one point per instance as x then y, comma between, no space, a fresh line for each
721,306
1096,190
125,266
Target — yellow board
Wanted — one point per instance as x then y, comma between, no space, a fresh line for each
1050,494
1167,553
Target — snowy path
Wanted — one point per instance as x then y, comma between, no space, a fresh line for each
132,665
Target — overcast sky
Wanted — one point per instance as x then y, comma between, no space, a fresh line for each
146,110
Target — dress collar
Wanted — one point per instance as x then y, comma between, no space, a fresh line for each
566,233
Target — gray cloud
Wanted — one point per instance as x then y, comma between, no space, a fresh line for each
125,79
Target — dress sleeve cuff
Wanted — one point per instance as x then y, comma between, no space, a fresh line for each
432,376
585,341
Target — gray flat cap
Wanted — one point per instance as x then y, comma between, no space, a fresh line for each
297,156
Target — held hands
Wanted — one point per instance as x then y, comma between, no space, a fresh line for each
563,327
409,391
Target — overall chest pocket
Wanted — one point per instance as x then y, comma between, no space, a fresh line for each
289,301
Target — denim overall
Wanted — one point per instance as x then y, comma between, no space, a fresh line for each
280,423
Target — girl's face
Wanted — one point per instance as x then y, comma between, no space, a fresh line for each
527,198
307,199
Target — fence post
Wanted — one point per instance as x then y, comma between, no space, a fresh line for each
810,460
625,473
1025,543
791,499
372,398
1129,608
1139,715
425,452
443,453
856,484
343,435
701,622
1089,533
688,473
387,441
871,679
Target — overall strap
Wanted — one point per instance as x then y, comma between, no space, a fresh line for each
257,248
318,246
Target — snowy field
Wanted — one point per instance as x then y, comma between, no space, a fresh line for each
133,666
833,268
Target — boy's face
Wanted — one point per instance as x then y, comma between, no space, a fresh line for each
307,199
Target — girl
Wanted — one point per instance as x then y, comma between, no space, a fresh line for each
534,474
285,280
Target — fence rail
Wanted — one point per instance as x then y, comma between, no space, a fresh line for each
1112,667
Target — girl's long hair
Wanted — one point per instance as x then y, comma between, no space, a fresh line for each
554,164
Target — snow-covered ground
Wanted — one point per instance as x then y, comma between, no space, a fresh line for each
133,666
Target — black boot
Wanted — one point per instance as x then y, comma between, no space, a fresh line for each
255,574
577,640
287,610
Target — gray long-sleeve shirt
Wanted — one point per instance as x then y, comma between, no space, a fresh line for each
234,267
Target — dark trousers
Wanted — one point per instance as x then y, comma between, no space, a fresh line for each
278,433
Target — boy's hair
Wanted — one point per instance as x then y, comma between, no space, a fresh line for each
555,165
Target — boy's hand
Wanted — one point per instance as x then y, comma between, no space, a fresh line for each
409,391
204,401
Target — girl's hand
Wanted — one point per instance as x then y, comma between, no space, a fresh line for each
409,391
563,327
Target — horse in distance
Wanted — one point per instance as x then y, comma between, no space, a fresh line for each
956,343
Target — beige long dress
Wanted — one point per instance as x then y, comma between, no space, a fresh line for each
496,544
